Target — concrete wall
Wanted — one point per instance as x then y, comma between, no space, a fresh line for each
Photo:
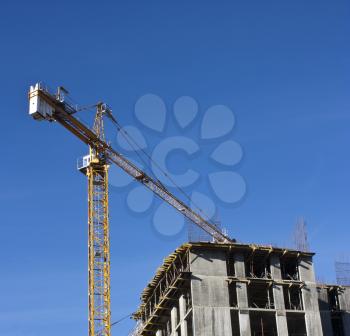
210,285
346,323
210,297
344,301
182,307
310,297
281,318
242,296
324,311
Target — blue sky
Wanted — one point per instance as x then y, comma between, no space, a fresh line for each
283,69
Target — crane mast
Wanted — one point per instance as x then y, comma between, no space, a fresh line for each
96,170
44,105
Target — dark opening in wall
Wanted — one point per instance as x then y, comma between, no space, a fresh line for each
260,295
189,324
178,331
176,305
290,268
337,324
292,297
323,304
230,264
263,323
166,330
188,300
333,299
257,265
296,324
232,294
235,323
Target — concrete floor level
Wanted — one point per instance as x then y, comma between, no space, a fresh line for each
207,289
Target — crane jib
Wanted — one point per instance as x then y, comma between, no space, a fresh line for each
45,106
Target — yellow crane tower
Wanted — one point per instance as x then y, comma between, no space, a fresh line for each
54,107
96,169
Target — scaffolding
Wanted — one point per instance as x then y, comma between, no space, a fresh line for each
253,283
257,264
300,236
171,280
342,271
197,234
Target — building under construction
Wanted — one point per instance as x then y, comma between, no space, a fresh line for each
210,289
202,289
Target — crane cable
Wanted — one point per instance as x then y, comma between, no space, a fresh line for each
127,136
120,320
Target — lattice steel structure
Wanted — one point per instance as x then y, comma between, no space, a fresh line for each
99,256
44,105
196,234
342,271
98,227
300,236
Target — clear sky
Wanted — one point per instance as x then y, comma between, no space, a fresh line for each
282,67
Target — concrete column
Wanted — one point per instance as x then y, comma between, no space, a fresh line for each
242,296
275,266
344,302
344,299
209,289
239,265
281,318
306,270
325,312
278,297
183,322
174,322
310,297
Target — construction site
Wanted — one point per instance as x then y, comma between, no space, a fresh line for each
207,289
212,287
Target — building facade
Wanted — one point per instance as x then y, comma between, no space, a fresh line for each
208,289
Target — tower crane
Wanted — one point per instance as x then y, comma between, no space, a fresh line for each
54,107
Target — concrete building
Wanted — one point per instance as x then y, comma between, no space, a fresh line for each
208,289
